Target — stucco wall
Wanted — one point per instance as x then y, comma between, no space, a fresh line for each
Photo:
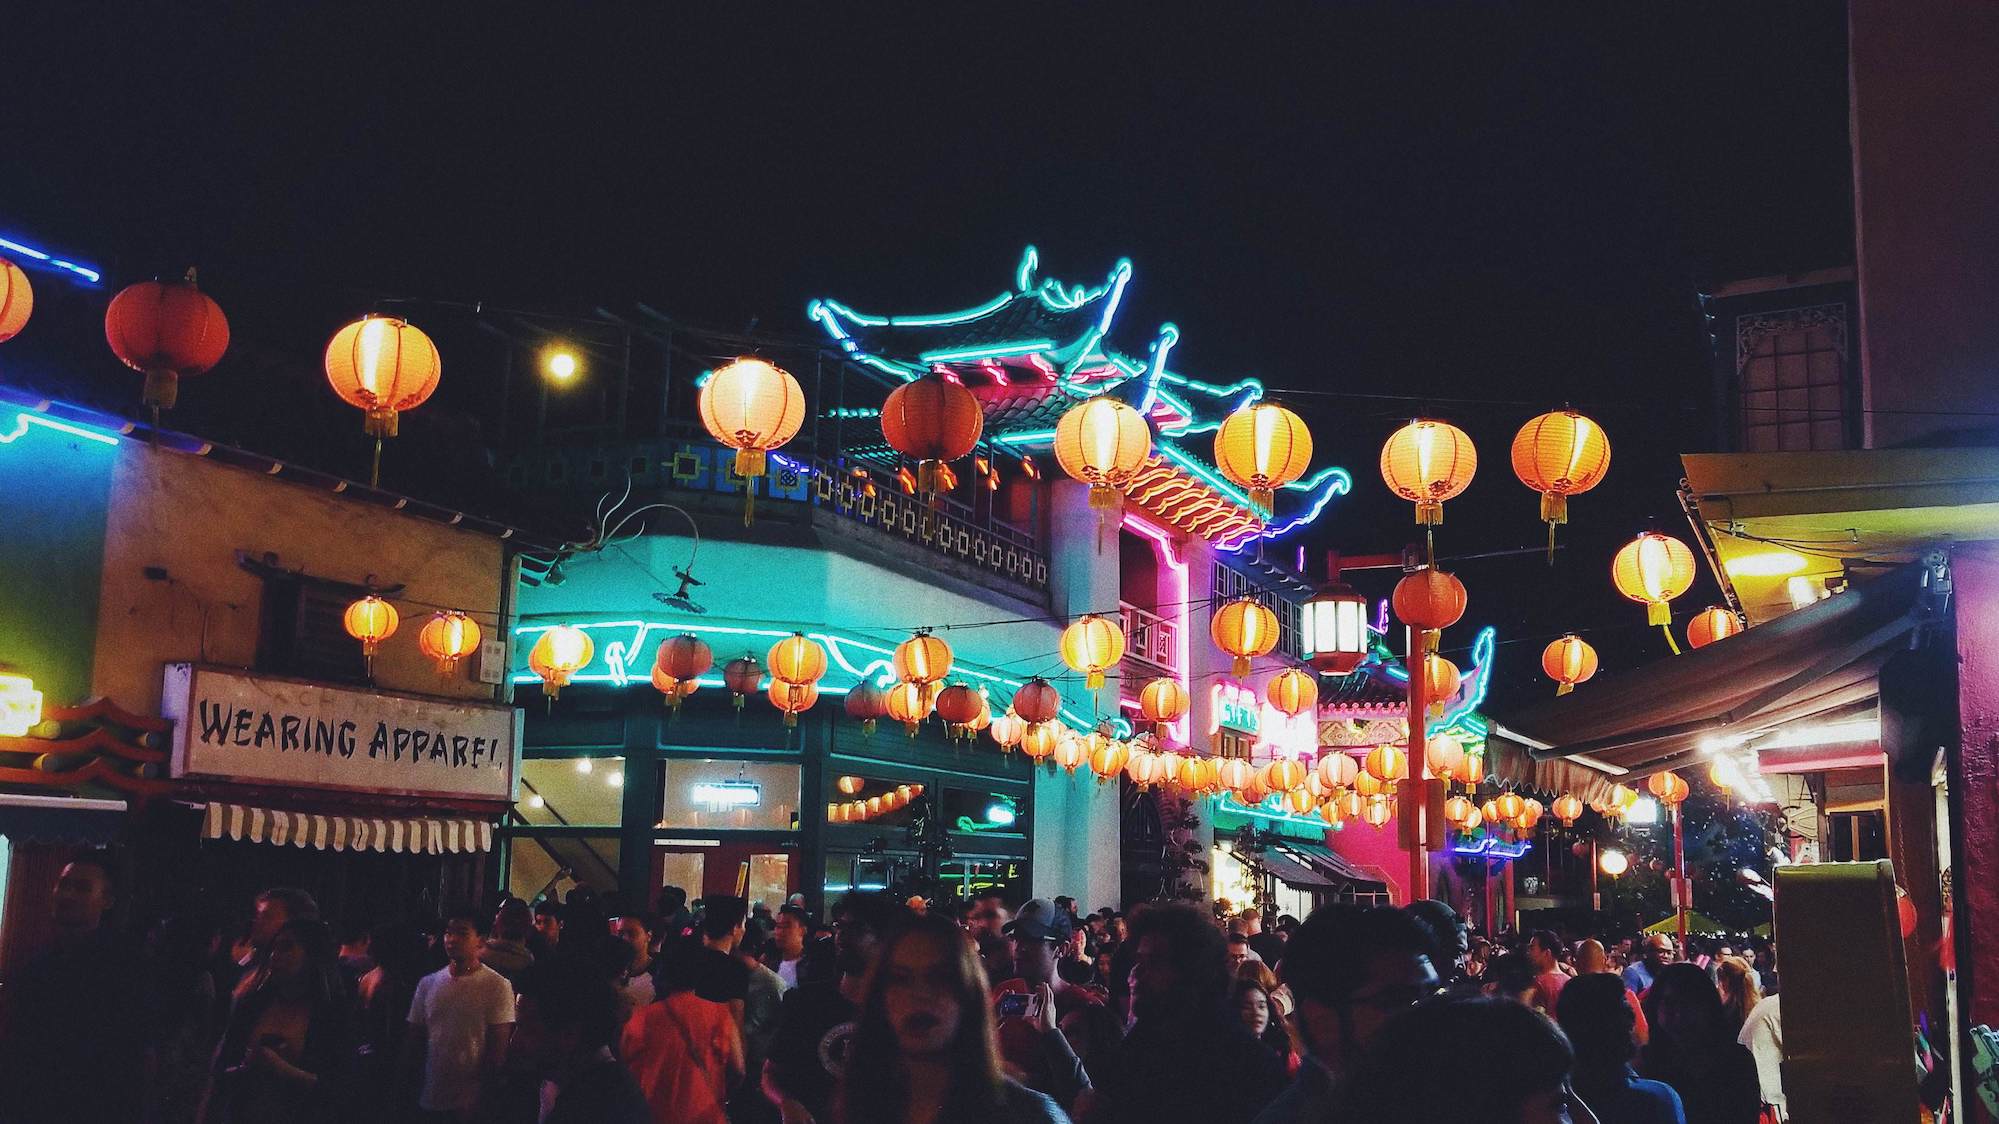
191,516
54,491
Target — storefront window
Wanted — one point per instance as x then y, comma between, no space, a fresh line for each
540,864
572,792
961,878
985,813
847,871
709,795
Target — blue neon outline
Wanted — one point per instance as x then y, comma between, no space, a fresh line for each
88,274
24,419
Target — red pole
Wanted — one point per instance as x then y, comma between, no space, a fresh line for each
1595,895
1487,864
1512,904
1412,788
1680,895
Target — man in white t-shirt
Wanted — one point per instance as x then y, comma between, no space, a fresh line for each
460,1020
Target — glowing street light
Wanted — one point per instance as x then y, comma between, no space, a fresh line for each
561,364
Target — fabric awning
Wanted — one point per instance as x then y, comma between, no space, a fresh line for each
1819,662
423,836
26,818
1331,864
1291,872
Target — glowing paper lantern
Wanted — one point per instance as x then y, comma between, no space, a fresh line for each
1283,774
1007,729
1142,767
849,785
1456,809
1613,863
560,653
932,420
1653,569
1334,813
1163,701
1300,801
1472,819
1509,804
1376,812
910,704
1293,692
1442,754
793,698
1092,645
166,330
1440,681
1386,763
17,300
1337,768
1560,454
1039,740
370,620
1429,598
1037,701
1568,661
1103,443
1721,774
685,657
1367,784
1105,755
1244,628
743,676
866,703
1568,809
382,366
752,407
1261,448
1069,751
447,638
797,659
1711,624
1236,774
1668,787
1470,769
1427,462
1489,811
959,706
922,658
671,690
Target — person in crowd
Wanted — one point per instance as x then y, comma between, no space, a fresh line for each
1239,951
356,959
547,936
1658,952
1511,976
1260,974
923,1047
568,1019
1348,970
1268,946
380,1023
1510,1065
1450,940
1590,960
1740,991
1544,951
180,1006
283,1055
635,931
1595,1015
1693,1050
1477,958
506,950
674,919
816,1025
719,977
985,924
787,949
1261,1018
763,999
1180,988
684,1050
272,910
1763,1035
1038,1010
459,1019
65,1053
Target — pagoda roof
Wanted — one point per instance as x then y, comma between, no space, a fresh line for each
1037,349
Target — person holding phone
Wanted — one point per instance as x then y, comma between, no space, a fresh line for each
1046,1028
281,1055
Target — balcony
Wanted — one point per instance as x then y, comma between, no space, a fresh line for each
1150,639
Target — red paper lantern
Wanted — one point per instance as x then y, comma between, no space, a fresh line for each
1429,599
743,676
1037,701
932,420
166,329
866,703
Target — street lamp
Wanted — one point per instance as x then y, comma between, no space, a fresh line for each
560,364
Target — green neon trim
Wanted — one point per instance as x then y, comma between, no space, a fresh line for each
948,318
991,351
1023,274
1120,277
1031,437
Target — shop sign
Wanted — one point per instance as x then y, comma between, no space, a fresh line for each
234,726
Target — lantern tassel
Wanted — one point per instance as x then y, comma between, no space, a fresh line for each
791,718
1670,642
375,469
867,727
1094,680
1564,689
1241,666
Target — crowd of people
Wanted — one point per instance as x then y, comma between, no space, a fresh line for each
911,1011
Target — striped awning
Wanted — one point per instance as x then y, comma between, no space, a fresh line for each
347,833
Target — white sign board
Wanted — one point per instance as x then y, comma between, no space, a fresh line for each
233,726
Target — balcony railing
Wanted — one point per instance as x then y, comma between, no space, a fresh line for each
798,483
1150,639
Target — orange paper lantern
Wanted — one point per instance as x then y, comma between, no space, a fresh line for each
922,658
1293,692
1386,763
1568,808
793,698
866,703
1163,701
17,300
1668,787
1560,454
1007,729
1442,754
1568,661
1092,645
1427,462
1337,768
1440,681
932,419
370,620
1283,774
1039,740
752,407
910,704
382,366
558,655
1261,448
1103,443
1653,569
1429,598
447,638
1244,628
1470,769
1711,624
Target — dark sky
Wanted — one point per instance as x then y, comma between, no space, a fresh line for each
1511,204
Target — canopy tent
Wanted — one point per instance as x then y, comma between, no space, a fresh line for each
1697,922
1817,663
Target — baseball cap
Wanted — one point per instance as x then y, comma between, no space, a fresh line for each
1038,919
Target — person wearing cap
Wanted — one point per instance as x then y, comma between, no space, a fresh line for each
1036,1044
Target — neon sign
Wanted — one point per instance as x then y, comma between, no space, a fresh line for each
20,705
1277,734
727,794
1234,706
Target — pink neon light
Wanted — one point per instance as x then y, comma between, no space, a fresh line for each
1178,566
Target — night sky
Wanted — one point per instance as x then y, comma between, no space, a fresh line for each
1486,210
